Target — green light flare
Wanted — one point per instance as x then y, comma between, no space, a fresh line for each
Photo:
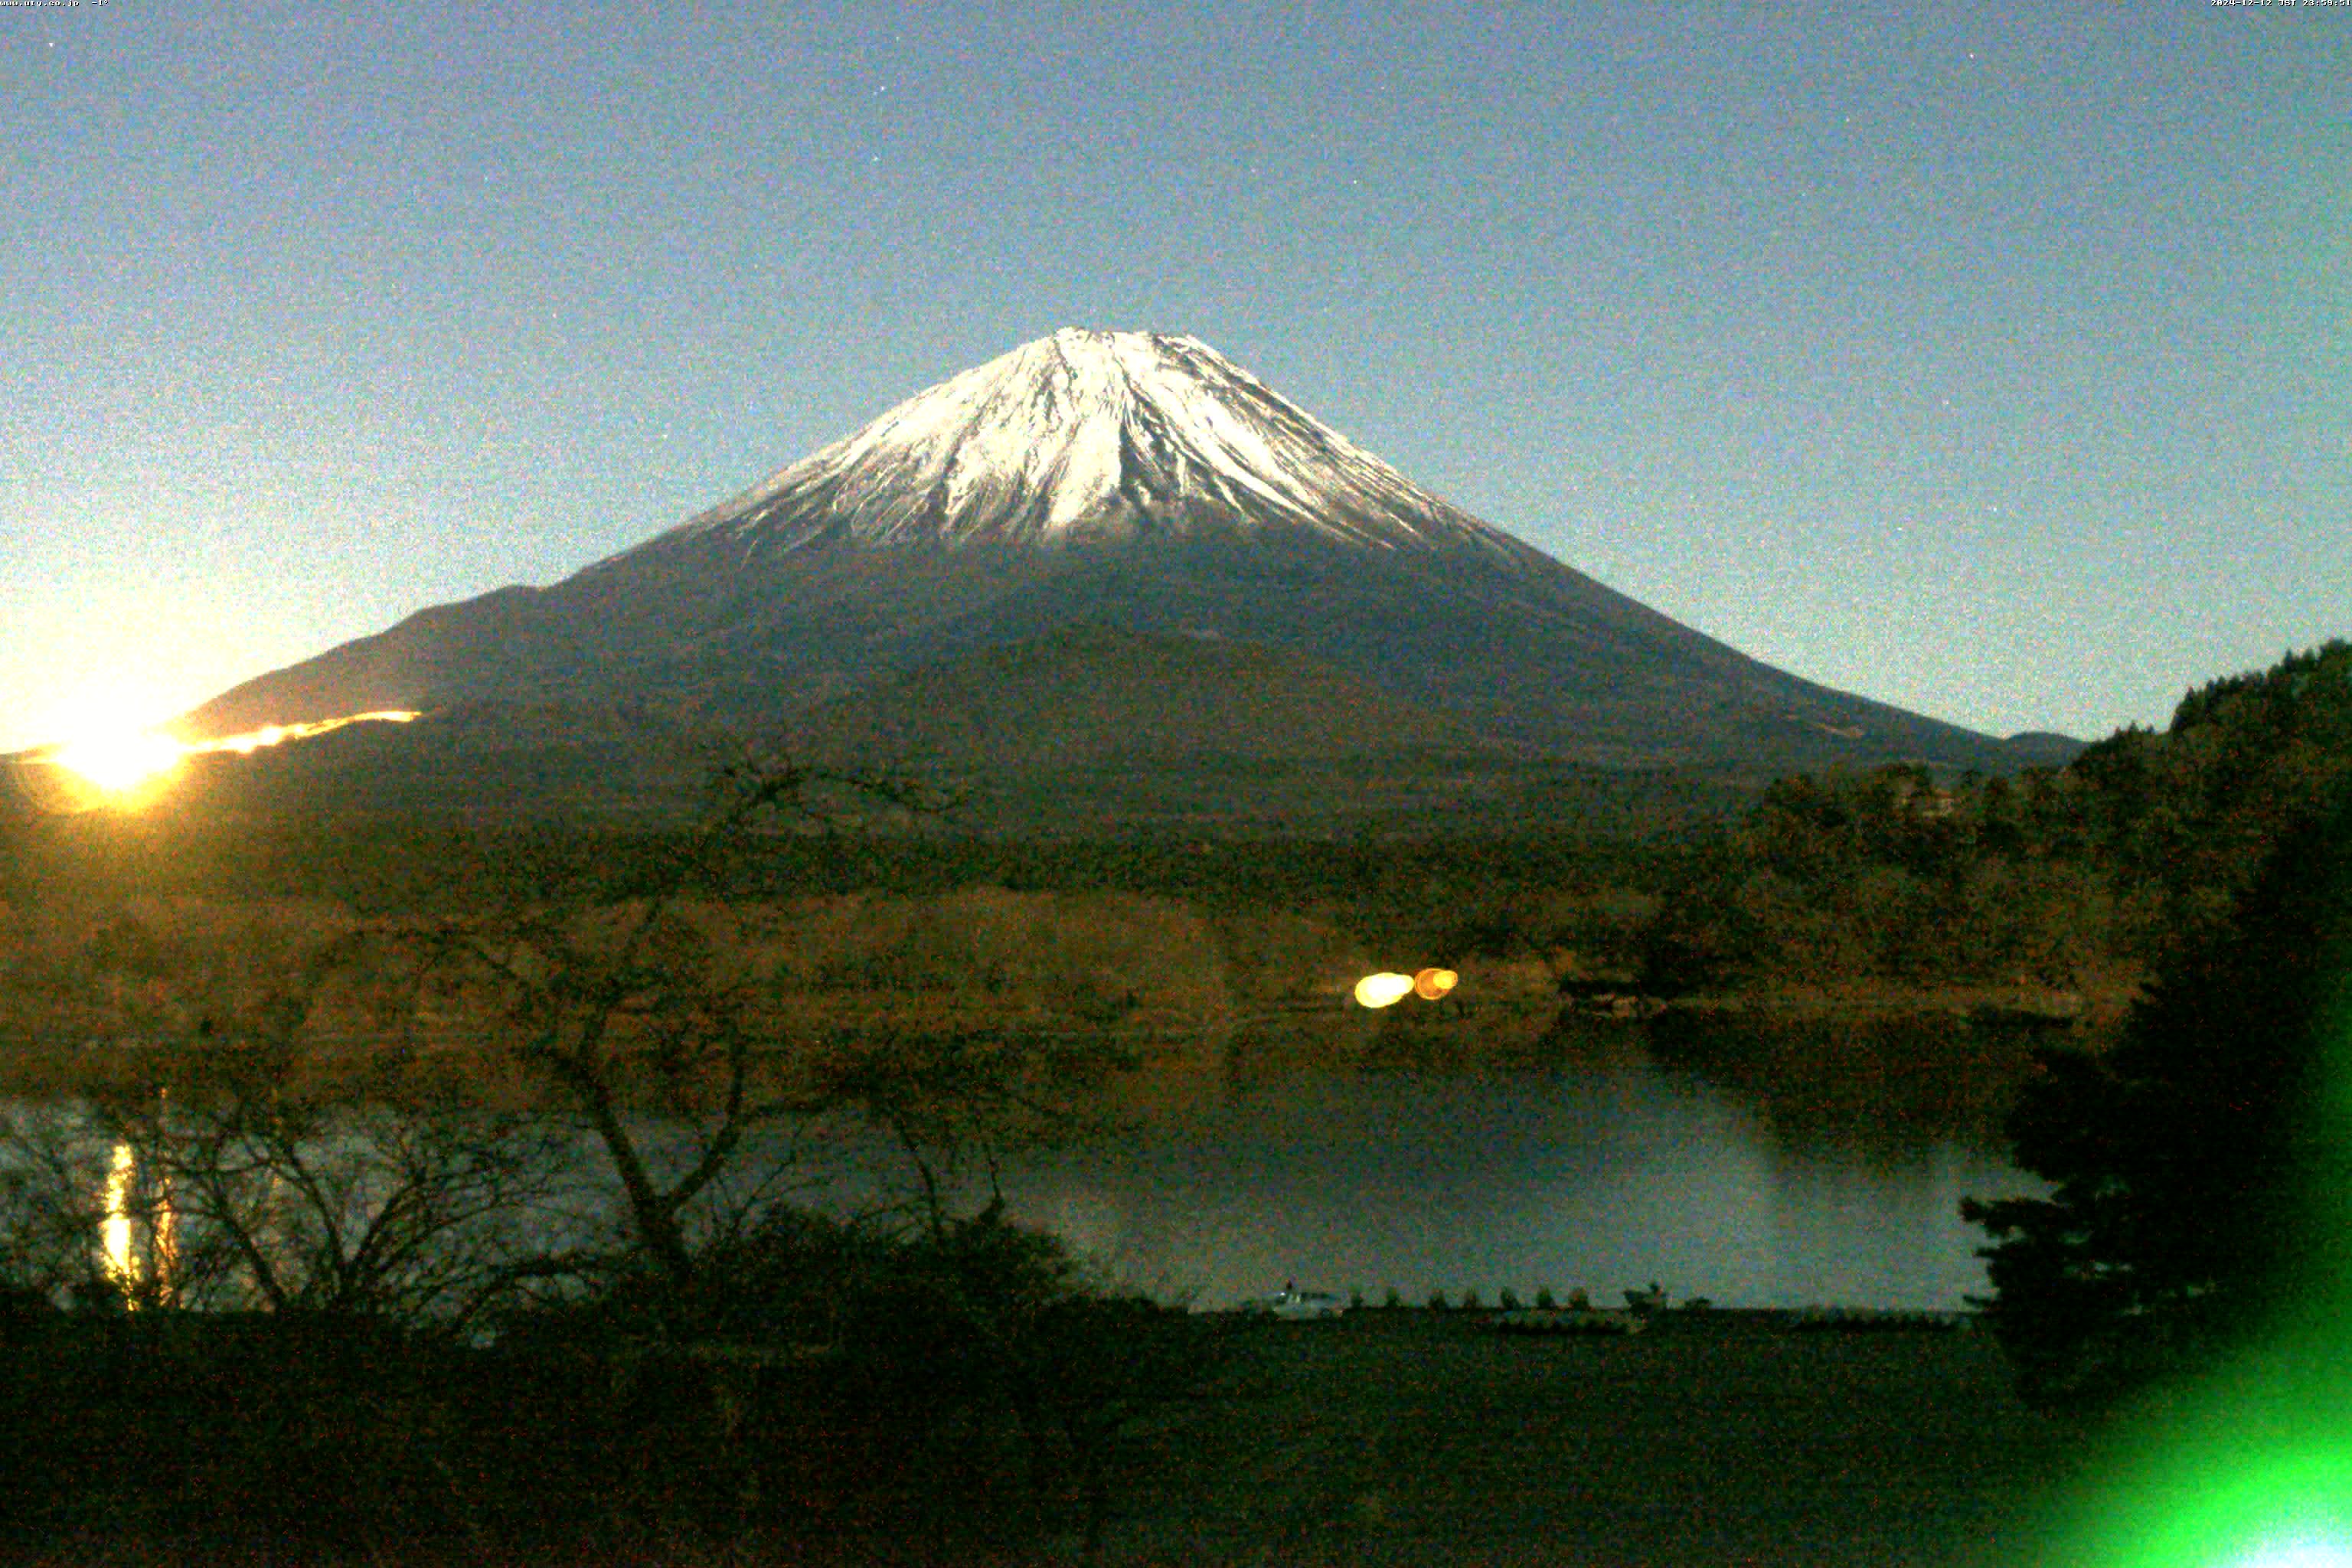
2251,1467
2318,1546
2260,1509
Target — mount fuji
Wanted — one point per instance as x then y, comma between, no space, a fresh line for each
1108,545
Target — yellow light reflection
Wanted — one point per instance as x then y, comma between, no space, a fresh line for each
115,1232
164,1246
1382,989
252,740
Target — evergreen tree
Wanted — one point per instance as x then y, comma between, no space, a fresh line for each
2197,1169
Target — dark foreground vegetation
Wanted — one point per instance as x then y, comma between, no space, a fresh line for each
1401,1437
1421,1437
938,1400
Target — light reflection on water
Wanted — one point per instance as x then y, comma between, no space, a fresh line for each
1599,1178
139,1237
116,1227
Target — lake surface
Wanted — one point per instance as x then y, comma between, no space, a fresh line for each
1603,1178
1599,1176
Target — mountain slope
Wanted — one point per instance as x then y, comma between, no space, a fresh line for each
1109,696
1126,480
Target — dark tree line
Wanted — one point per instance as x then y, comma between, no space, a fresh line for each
2142,843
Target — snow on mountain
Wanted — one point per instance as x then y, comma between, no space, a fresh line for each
1091,434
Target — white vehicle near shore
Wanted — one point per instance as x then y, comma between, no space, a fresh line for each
1295,1306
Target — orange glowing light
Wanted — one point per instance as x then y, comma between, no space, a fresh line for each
1431,984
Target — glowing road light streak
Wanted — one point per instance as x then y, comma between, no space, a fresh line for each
252,740
246,745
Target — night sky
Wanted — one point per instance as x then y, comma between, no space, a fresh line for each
1991,361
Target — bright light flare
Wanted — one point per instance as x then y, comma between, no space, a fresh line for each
1384,989
119,761
2306,1549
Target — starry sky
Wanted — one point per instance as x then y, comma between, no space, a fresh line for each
1991,359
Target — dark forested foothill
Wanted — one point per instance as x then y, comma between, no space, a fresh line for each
2038,899
2074,879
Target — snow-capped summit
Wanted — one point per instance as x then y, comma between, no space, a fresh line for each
1092,435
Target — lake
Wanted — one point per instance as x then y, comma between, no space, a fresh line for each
1603,1175
1605,1178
